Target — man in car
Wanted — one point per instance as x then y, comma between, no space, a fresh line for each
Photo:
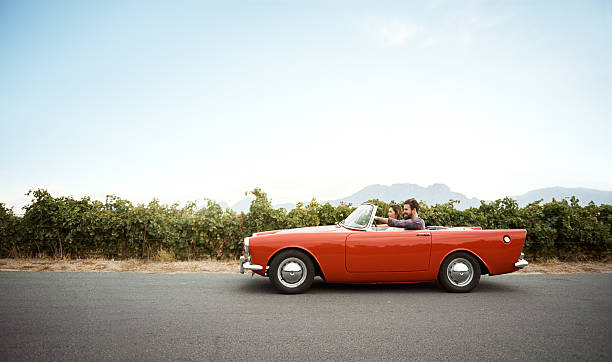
411,215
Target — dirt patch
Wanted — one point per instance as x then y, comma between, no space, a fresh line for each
232,266
567,267
130,265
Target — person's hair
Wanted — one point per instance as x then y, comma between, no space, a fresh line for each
397,209
413,204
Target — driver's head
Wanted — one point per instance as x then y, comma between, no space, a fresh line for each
411,208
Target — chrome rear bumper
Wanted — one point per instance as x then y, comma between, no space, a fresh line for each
521,263
246,265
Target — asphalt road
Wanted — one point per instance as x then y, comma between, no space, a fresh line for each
147,317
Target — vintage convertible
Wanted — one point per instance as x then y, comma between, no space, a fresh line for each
357,251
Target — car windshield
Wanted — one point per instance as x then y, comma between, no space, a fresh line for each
360,218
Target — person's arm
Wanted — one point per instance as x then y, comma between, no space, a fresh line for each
382,220
380,226
410,224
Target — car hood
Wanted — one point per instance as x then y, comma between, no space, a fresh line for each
310,229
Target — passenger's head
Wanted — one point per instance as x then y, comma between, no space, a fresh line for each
395,212
411,208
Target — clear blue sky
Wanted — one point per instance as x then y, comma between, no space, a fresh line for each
182,100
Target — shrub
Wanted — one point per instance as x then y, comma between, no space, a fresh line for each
63,227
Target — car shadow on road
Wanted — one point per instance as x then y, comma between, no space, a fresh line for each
491,285
319,286
261,285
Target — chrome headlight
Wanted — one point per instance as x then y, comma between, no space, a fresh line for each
246,246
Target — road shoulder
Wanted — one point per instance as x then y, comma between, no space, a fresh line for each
231,266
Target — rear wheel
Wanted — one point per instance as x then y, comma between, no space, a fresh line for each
459,273
291,272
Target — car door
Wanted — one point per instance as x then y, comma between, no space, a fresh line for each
401,251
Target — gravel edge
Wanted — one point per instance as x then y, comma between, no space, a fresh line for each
232,266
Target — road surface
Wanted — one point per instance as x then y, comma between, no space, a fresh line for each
145,317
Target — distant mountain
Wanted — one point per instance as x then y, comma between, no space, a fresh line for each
287,206
434,194
203,203
243,205
440,193
224,205
559,193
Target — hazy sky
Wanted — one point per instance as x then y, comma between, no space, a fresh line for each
183,100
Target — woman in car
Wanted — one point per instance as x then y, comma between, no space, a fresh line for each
395,212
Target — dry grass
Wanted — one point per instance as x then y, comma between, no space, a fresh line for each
164,256
129,265
555,266
160,265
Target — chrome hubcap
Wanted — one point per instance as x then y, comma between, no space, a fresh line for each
291,272
460,272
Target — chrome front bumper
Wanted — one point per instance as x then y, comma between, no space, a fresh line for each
246,265
521,263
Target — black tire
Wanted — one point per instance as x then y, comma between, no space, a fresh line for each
452,275
291,281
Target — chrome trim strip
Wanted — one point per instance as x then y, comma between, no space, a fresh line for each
246,245
521,263
368,227
371,223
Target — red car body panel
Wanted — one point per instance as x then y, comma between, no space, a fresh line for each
351,256
404,251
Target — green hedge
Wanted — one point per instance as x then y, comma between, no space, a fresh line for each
65,227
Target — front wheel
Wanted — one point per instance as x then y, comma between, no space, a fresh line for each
291,272
459,273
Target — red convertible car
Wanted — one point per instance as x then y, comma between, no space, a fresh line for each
357,251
